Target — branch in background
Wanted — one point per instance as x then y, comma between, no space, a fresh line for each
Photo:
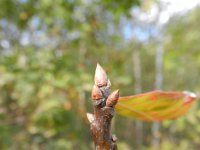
103,103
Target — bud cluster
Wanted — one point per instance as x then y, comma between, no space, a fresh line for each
101,90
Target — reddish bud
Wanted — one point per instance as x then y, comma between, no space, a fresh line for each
100,77
112,98
96,93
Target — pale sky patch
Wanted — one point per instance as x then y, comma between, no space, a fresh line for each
176,7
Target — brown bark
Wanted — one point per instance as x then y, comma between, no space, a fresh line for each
103,103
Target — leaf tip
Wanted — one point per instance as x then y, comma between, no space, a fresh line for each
190,96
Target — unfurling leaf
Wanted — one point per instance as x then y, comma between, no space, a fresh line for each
156,105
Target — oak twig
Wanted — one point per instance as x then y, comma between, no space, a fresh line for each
103,103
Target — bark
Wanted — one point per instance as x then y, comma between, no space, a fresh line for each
158,77
158,86
103,103
138,89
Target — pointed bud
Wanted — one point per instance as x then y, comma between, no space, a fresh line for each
112,98
100,77
96,93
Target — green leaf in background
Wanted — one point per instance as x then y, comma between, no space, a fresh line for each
156,105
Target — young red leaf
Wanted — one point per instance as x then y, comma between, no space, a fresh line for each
156,105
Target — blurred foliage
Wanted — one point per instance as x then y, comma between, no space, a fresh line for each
48,54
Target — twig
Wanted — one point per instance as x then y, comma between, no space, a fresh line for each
103,103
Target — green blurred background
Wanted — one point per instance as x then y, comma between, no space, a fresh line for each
48,54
